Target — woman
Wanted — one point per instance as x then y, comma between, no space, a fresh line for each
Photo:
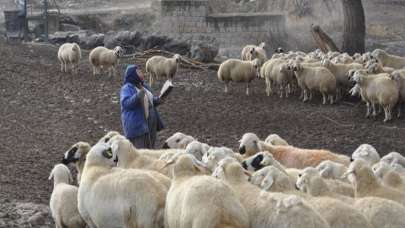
139,116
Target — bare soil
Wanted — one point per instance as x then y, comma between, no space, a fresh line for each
44,111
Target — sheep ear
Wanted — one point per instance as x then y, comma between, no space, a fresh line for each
262,45
266,186
324,172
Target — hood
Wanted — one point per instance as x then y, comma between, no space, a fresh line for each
131,76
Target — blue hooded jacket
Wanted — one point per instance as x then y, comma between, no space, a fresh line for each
132,113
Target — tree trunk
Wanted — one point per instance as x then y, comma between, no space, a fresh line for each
324,42
354,27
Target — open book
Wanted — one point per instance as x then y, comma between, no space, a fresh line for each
166,89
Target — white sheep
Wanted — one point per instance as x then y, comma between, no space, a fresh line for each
69,54
277,72
381,213
251,52
331,170
114,197
77,154
101,57
238,71
381,90
178,141
216,154
276,140
366,183
201,201
399,77
271,210
389,176
160,67
197,149
394,157
366,152
272,179
315,79
63,202
396,62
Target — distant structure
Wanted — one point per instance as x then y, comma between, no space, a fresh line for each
192,19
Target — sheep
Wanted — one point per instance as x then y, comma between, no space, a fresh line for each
115,197
377,68
69,54
63,202
251,52
315,78
381,213
270,68
387,60
160,66
394,157
201,201
389,176
216,154
331,170
264,159
101,57
271,210
340,71
311,182
289,156
399,77
379,90
197,149
129,157
178,141
238,71
77,154
367,153
276,140
272,179
277,72
366,183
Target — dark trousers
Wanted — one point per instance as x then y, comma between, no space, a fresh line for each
147,140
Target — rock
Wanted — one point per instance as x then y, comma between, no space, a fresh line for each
93,41
37,219
203,52
155,41
126,39
69,27
179,47
72,36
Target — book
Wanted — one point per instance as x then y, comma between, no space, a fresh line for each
166,89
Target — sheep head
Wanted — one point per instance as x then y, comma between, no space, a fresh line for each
61,174
249,144
177,58
187,165
118,51
100,155
76,152
229,169
366,152
177,141
310,181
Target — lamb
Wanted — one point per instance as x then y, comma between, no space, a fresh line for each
315,79
77,154
69,54
377,68
63,202
387,60
269,72
160,66
197,149
366,184
272,179
271,210
331,170
389,176
276,140
379,90
289,156
178,141
238,71
114,197
184,208
101,57
278,73
251,52
381,213
216,154
367,153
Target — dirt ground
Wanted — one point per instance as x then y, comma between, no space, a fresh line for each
44,111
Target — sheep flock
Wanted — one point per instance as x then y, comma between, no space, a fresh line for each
189,183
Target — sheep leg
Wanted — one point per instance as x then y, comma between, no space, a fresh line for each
247,89
281,90
387,114
287,91
374,110
310,95
61,66
399,110
331,99
150,79
305,91
94,70
323,98
368,109
226,87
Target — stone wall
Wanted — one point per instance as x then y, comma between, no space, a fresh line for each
191,19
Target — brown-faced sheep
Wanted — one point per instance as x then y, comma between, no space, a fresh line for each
101,57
